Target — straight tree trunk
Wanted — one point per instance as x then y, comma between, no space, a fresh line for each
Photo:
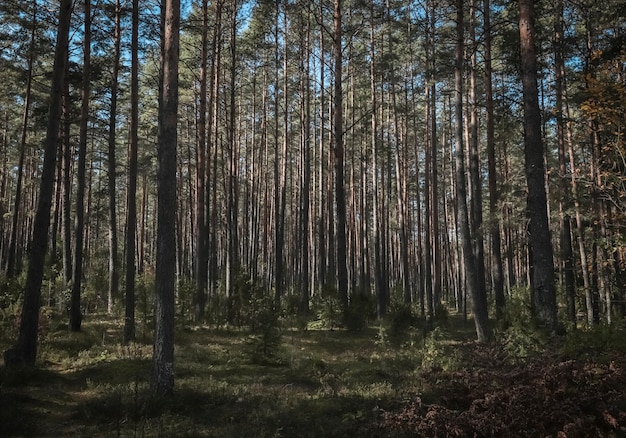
163,360
305,203
66,212
25,351
497,275
476,214
77,274
131,214
17,202
567,256
479,297
201,199
340,196
232,253
544,295
380,283
113,242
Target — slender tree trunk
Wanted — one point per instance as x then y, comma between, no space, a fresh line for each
479,297
113,258
305,203
131,213
567,256
163,360
67,188
497,275
542,263
201,198
25,351
476,213
340,196
77,274
279,164
17,202
232,253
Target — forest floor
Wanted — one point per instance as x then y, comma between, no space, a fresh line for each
321,383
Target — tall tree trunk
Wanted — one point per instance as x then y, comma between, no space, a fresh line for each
17,202
25,351
201,199
77,274
113,258
497,275
66,212
380,282
163,360
567,256
305,203
544,296
476,213
232,253
479,297
399,165
340,196
131,195
280,159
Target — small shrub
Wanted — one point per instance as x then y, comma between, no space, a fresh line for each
400,319
327,308
601,341
518,333
265,337
437,352
358,313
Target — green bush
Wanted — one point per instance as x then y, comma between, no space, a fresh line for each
265,338
358,313
518,332
437,352
599,342
327,308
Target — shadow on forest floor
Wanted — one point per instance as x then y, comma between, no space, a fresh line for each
322,383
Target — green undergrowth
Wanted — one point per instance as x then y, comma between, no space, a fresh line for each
271,380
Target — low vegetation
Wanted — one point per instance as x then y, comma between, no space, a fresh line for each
293,379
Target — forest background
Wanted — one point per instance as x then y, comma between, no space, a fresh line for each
371,159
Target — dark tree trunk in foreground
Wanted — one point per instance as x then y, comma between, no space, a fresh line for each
25,351
543,296
163,359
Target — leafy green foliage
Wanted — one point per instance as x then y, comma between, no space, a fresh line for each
329,383
437,352
519,336
265,336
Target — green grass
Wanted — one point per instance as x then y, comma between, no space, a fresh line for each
319,383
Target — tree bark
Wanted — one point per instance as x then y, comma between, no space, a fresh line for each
113,241
17,202
163,359
479,298
25,351
497,275
567,256
340,196
131,195
544,296
77,274
201,199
